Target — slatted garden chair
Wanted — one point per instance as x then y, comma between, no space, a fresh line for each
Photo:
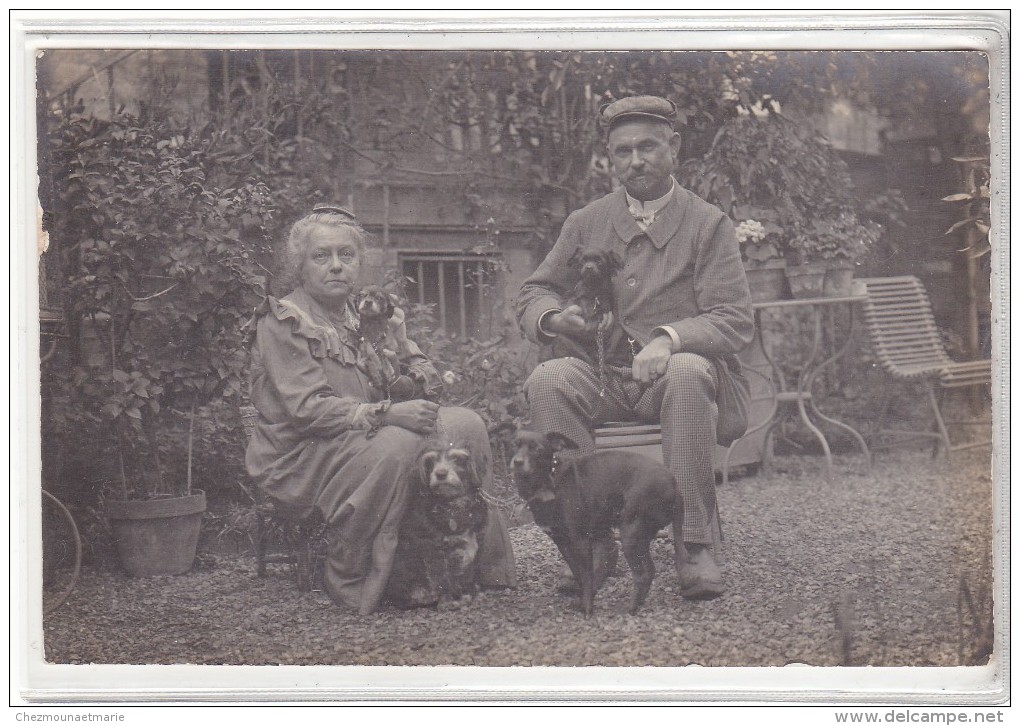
301,539
641,438
908,345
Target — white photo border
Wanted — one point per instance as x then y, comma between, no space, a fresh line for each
37,681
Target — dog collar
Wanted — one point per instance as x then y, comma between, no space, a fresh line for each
547,495
559,465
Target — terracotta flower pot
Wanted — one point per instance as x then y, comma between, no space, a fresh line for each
767,281
156,536
839,279
806,281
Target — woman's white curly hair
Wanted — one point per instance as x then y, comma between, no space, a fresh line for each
322,215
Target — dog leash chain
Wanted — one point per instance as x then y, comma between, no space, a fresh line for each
507,503
386,381
600,346
378,354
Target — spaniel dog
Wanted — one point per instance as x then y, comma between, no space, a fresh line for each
439,533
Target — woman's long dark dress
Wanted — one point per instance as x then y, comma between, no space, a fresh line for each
310,449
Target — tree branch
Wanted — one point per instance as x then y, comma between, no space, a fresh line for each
150,297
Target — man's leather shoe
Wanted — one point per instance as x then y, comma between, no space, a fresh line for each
700,576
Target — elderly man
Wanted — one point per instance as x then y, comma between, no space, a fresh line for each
682,311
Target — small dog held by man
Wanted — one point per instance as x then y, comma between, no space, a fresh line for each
439,533
578,501
593,294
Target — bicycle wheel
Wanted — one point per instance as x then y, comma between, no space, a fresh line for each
61,552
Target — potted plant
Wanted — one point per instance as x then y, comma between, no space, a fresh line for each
160,233
761,251
766,167
830,246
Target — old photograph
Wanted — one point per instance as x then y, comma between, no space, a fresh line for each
516,357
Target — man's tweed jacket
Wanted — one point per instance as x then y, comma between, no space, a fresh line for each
684,272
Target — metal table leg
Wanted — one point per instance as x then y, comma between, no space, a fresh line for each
801,394
814,374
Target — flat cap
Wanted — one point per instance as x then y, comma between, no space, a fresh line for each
635,107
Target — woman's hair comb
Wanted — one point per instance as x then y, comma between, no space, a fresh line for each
333,209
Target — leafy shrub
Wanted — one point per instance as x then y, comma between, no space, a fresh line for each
484,375
160,233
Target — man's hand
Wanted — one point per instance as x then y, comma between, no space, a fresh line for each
651,361
606,322
568,321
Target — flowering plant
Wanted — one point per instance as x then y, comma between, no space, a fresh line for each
841,236
159,233
759,240
750,230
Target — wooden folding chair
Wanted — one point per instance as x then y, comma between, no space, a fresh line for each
908,345
301,538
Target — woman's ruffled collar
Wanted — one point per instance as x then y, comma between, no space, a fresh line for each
308,320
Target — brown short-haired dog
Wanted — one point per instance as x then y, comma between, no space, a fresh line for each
577,501
439,533
377,355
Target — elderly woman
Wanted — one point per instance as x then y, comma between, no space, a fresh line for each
327,441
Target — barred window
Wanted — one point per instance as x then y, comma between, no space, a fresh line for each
461,287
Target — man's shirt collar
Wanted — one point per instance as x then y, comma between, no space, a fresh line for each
644,212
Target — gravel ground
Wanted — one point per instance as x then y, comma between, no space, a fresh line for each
863,570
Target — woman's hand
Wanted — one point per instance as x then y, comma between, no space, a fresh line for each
419,416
